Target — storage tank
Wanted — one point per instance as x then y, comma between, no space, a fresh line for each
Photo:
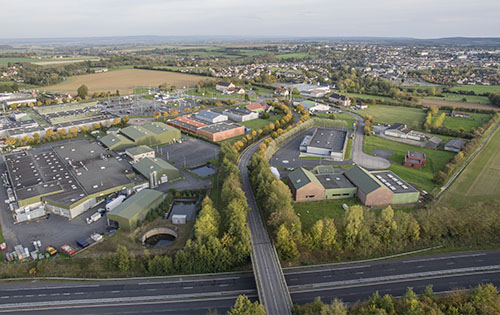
115,202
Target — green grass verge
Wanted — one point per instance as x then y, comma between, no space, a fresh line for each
423,178
476,120
478,89
479,181
310,212
261,123
452,97
348,149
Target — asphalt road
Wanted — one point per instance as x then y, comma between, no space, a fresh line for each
272,288
349,282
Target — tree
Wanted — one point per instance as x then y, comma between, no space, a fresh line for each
386,224
247,97
208,223
353,222
323,234
285,244
125,120
83,91
243,306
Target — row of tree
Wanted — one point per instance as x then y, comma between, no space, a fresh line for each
483,299
442,176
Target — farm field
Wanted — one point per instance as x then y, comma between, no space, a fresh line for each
412,117
42,61
422,179
125,81
478,89
442,103
451,97
479,181
476,120
260,123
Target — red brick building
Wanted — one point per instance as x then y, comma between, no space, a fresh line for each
415,159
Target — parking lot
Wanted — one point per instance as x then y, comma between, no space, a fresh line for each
190,152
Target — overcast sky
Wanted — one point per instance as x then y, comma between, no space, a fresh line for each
391,18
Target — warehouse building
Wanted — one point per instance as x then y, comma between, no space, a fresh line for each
140,152
327,142
211,117
337,186
221,131
378,188
240,114
404,193
69,179
135,208
305,186
371,191
152,133
157,171
116,142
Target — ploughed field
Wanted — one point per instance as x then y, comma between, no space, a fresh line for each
125,80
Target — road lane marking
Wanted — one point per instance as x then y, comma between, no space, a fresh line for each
116,291
441,258
326,270
187,288
53,288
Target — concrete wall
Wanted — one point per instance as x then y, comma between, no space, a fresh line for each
137,157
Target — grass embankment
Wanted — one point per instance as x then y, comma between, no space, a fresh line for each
479,181
423,178
259,123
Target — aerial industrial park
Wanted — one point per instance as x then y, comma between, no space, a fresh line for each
249,175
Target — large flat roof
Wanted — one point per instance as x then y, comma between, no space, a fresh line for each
332,181
94,168
394,182
328,138
147,165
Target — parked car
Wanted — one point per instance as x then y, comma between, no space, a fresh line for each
51,250
82,243
68,250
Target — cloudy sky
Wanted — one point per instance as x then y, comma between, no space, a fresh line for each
392,18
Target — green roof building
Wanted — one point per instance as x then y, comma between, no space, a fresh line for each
371,191
116,142
140,152
305,186
157,171
152,133
135,208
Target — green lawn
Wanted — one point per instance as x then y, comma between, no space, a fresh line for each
292,55
260,123
340,116
479,181
348,149
310,212
422,179
367,97
384,114
476,120
452,97
478,89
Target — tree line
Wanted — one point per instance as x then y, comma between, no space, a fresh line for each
482,299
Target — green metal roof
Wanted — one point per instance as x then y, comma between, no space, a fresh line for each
363,179
112,140
147,165
157,127
137,203
301,177
135,132
139,150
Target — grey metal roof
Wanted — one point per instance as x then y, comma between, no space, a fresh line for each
219,127
417,155
328,138
301,177
331,181
455,143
